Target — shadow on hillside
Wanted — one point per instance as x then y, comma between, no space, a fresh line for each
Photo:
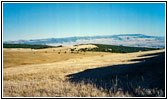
149,73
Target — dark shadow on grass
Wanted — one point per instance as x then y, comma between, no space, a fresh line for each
149,73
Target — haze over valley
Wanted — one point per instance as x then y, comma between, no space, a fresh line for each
133,40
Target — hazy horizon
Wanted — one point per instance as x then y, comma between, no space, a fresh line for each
79,36
25,21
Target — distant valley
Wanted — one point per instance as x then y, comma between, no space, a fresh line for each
133,40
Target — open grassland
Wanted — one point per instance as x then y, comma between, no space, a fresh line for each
16,57
54,73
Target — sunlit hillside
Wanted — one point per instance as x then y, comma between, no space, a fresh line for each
70,72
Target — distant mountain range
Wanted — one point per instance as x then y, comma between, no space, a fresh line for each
135,40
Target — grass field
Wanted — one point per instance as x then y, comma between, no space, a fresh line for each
59,72
13,58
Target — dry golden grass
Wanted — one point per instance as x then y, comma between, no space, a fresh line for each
42,74
16,57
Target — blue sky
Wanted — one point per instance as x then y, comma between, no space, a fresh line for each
52,20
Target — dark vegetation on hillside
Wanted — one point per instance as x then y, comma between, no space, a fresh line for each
117,49
145,78
26,46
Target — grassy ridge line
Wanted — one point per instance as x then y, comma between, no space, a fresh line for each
101,48
26,46
118,49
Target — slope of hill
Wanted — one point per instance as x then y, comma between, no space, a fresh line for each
117,49
36,73
135,40
26,46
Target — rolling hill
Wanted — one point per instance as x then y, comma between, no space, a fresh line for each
84,48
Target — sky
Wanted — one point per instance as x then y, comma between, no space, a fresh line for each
24,21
